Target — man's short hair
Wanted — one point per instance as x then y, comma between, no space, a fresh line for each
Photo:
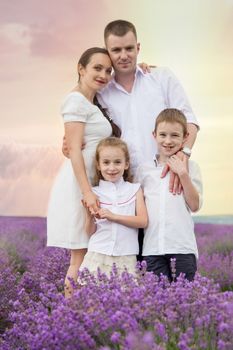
119,28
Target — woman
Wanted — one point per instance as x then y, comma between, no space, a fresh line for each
84,124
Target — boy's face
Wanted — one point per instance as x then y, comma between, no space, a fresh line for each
170,139
123,51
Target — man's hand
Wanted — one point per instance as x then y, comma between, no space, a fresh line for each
65,149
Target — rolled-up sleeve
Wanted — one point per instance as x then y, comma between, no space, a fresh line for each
195,174
175,95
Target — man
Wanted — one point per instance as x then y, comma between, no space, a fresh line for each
134,98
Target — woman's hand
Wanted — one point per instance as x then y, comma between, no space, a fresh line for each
91,202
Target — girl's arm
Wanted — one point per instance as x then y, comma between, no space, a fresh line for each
190,193
140,220
74,132
90,225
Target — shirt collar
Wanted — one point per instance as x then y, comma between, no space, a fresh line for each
138,72
109,184
156,161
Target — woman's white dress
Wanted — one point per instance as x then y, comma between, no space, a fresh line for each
65,218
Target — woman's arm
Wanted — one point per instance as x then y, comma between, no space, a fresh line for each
74,132
140,220
90,225
190,193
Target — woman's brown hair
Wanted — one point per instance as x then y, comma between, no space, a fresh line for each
83,61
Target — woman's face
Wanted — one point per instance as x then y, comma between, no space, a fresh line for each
97,72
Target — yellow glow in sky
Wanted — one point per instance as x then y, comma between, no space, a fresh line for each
40,46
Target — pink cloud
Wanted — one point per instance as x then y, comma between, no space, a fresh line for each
57,28
26,176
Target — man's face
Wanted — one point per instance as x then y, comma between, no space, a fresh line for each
123,51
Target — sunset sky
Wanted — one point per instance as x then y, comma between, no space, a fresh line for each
40,43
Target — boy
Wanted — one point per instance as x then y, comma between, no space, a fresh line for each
169,246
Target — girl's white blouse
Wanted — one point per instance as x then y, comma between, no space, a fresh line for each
111,238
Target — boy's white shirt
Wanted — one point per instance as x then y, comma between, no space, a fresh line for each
171,228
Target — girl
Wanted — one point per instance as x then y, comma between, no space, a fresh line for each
113,227
84,123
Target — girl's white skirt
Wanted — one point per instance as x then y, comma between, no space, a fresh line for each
93,260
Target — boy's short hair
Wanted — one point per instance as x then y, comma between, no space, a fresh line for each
119,28
172,115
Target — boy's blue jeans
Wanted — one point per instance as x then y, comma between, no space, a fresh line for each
162,264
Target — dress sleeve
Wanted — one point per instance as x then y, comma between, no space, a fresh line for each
195,174
75,109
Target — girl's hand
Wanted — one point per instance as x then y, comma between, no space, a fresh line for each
91,202
104,213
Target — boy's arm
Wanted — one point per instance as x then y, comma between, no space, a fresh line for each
140,220
191,195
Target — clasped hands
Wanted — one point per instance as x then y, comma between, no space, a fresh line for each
91,202
177,164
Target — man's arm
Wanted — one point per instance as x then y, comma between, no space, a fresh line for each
192,135
175,97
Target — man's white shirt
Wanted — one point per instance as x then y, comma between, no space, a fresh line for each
135,112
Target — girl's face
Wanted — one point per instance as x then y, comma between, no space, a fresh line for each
97,72
112,163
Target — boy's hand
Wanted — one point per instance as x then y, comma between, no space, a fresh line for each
174,183
178,164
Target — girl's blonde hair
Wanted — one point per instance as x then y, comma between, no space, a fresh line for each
111,142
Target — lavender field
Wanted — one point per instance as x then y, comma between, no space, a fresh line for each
119,312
